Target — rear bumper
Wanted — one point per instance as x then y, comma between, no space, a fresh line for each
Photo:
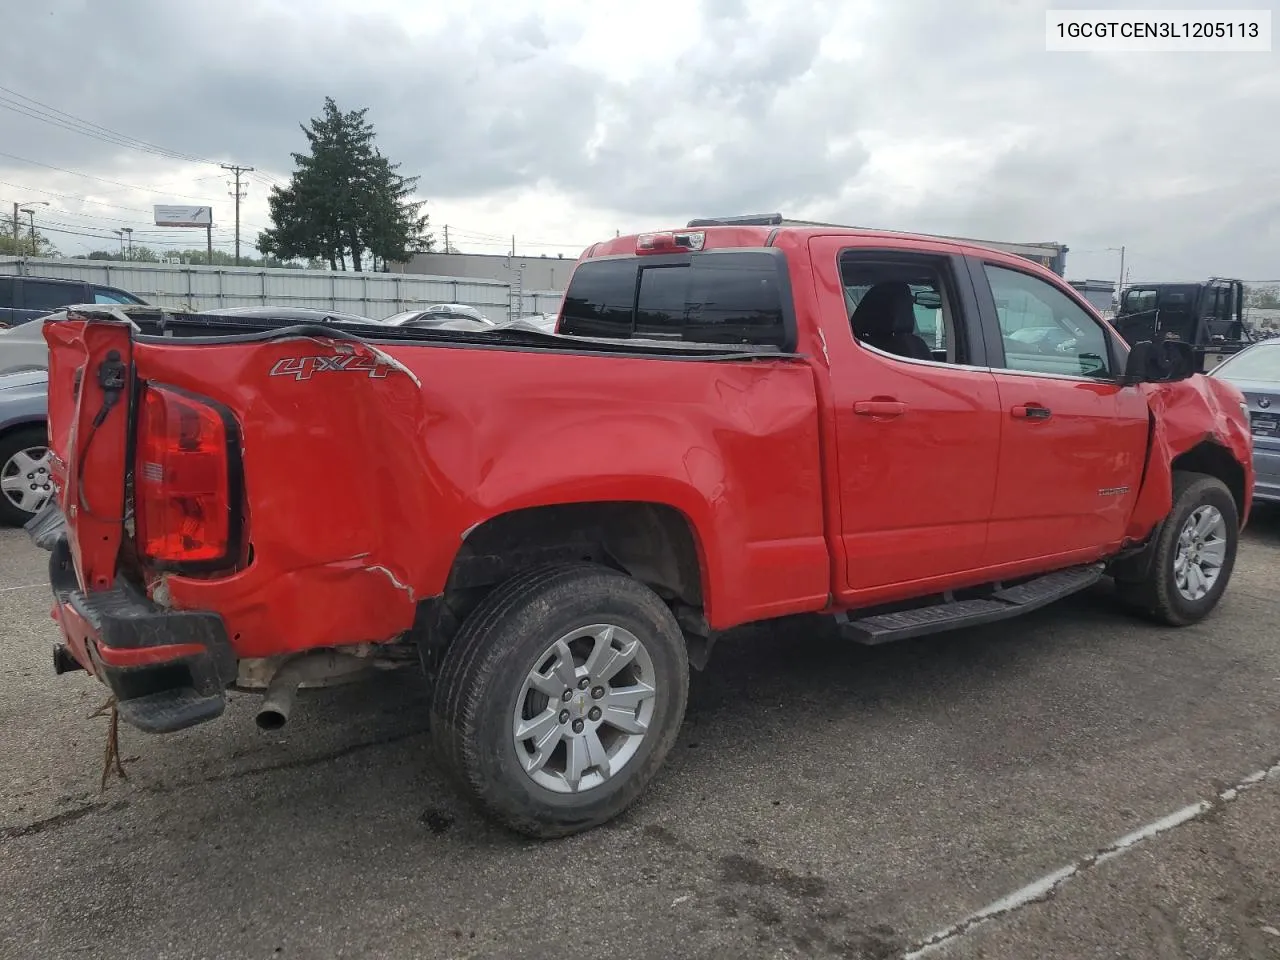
168,669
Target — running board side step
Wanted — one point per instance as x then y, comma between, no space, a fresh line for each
1001,604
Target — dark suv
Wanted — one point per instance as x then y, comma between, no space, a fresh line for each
26,298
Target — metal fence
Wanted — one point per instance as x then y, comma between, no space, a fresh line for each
375,295
539,301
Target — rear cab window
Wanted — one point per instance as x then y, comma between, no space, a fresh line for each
739,296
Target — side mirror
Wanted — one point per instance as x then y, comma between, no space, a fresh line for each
1161,362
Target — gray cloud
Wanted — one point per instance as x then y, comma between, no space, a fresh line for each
1172,155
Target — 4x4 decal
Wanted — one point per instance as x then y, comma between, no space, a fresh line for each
303,368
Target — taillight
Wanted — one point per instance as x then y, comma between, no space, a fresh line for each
182,481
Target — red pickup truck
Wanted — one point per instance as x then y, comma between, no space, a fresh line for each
733,422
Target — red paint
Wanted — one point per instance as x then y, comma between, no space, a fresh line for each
78,632
147,656
838,479
94,511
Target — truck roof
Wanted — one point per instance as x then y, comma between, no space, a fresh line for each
760,227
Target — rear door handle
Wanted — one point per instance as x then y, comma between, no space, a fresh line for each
1031,411
879,408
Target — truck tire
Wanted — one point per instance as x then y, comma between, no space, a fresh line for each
25,484
560,697
1195,552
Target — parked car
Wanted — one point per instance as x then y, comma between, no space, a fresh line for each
25,480
1255,370
29,298
439,315
542,322
555,532
294,314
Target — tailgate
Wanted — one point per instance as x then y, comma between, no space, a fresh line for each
90,384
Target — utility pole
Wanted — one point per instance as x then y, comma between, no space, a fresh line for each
513,244
17,222
238,195
1120,280
128,232
446,238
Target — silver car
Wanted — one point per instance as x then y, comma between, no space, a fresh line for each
1255,370
25,484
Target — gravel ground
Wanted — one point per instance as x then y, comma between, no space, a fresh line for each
824,800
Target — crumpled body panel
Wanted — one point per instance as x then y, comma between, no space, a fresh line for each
1185,414
363,478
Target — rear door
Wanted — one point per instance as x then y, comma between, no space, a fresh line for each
917,422
1073,439
47,296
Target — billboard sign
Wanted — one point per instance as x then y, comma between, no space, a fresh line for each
170,216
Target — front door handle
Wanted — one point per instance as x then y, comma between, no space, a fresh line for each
1031,411
879,408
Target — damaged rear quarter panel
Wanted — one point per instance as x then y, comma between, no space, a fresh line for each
1186,413
359,488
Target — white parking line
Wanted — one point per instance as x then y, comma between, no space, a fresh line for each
1043,889
27,586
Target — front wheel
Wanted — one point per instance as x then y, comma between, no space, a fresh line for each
1195,552
560,697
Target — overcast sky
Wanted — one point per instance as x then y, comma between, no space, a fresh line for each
562,121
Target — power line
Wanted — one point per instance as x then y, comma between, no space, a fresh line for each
68,196
115,206
38,110
110,236
89,176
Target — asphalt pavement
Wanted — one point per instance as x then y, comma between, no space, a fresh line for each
1074,784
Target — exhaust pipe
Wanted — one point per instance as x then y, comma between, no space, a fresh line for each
63,660
311,667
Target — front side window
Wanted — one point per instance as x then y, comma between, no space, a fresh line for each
1043,329
103,295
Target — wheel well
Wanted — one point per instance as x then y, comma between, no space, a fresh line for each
652,542
1216,461
17,425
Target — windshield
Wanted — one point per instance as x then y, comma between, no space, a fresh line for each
1257,363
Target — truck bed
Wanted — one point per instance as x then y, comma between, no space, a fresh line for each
364,466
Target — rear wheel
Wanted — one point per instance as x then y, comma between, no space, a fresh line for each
560,697
1195,552
25,482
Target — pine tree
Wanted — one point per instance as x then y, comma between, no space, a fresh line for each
345,199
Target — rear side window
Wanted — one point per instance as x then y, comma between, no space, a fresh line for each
43,295
715,297
6,291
